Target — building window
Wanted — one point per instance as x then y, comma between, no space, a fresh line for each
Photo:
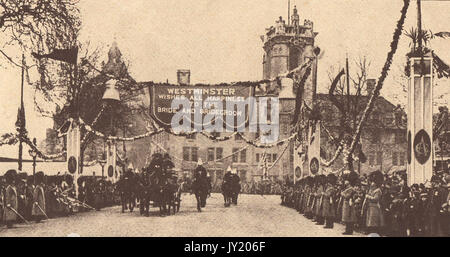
237,137
379,158
219,154
244,156
257,157
235,154
215,134
186,151
402,158
194,154
274,157
394,159
210,154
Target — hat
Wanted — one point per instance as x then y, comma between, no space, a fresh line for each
331,178
200,162
234,171
22,176
39,177
10,175
377,177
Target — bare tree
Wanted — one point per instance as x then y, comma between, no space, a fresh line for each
38,25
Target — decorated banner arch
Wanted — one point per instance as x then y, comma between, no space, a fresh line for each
167,100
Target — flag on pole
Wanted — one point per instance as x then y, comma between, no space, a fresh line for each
20,122
65,55
420,120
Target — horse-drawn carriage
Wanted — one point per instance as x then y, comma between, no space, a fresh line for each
155,186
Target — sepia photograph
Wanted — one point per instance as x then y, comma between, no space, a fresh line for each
224,119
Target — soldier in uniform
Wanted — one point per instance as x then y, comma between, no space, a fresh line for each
348,204
446,209
10,202
308,197
374,217
2,190
437,197
38,210
318,200
21,188
199,185
236,186
412,210
397,210
328,204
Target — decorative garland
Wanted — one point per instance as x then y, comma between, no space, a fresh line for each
9,139
39,153
218,139
116,138
93,124
279,157
384,73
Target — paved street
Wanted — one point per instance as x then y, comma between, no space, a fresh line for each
254,216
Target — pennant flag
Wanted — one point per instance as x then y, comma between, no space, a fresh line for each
64,55
20,122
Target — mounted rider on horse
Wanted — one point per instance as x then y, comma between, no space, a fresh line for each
200,186
230,187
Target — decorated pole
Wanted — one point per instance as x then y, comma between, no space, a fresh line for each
314,147
73,152
111,156
420,119
21,118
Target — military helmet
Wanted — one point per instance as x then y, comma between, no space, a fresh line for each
22,176
10,176
331,178
377,177
39,177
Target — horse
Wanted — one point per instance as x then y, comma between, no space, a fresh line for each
201,190
235,188
127,189
227,192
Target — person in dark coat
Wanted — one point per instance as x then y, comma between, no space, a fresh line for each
38,210
348,206
10,202
236,186
200,185
318,200
436,198
328,204
374,217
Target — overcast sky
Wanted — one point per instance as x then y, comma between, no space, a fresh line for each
219,41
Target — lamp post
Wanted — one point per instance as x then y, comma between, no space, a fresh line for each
33,154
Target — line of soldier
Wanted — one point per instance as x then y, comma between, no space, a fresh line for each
378,203
24,198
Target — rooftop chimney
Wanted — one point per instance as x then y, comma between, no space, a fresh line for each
184,77
370,86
